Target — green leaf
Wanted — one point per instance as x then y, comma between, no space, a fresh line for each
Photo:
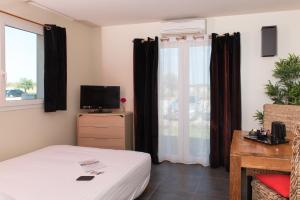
259,116
274,92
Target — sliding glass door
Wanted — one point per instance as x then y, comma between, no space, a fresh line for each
184,101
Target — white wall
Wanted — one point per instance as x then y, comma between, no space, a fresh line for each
117,55
22,131
116,58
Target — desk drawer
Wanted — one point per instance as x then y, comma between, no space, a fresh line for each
267,163
102,143
101,121
101,132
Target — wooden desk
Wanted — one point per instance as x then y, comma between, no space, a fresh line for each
250,154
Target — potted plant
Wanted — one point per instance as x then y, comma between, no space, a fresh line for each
286,91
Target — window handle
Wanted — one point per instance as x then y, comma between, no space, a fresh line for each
2,73
3,76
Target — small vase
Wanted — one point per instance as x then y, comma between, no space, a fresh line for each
123,110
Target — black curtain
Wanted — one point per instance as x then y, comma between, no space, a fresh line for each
55,75
145,96
225,96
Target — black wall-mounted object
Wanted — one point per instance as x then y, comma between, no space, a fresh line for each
269,41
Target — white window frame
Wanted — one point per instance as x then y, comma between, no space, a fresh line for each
6,20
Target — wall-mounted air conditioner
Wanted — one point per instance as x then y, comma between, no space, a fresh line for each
185,26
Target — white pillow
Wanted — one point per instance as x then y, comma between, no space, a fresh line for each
5,197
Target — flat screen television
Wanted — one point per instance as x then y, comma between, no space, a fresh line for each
99,97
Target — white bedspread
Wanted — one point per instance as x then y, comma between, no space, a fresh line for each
50,174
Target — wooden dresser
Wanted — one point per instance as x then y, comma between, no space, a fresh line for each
107,130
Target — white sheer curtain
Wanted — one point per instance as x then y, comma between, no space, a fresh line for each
184,101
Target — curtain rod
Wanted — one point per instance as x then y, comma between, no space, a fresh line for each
183,37
22,18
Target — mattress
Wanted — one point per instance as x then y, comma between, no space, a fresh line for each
50,174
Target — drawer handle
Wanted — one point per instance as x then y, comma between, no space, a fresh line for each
100,126
95,126
99,138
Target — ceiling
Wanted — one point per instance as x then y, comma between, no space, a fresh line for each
112,12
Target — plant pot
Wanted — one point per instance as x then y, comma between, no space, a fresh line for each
288,114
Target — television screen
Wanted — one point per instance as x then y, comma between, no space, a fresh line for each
99,97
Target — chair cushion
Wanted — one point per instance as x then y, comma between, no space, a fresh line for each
278,182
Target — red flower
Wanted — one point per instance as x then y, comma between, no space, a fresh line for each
123,100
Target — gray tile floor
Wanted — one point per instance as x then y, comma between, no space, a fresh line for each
186,182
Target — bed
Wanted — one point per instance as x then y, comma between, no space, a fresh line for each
50,174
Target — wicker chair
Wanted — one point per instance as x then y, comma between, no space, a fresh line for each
288,114
262,192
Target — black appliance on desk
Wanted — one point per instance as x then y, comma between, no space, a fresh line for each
278,132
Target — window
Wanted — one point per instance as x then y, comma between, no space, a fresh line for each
22,63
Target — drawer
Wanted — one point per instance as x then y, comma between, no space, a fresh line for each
101,132
102,143
101,121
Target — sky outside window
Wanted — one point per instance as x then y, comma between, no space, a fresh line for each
20,55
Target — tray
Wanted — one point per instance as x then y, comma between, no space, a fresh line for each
266,140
